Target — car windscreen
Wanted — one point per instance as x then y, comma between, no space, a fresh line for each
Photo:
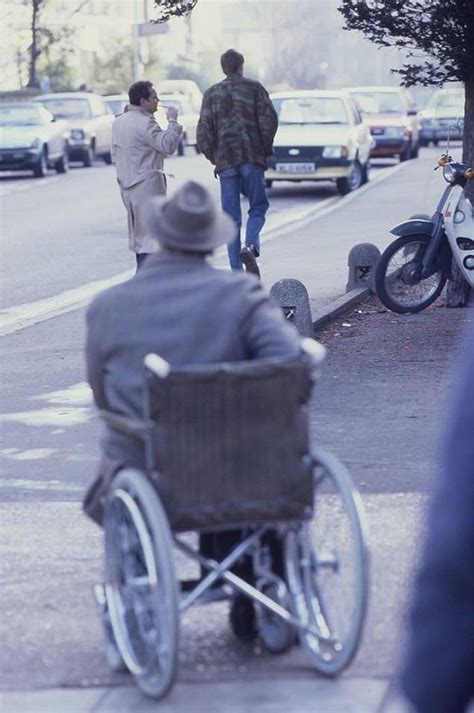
68,108
19,116
311,110
116,106
379,102
448,102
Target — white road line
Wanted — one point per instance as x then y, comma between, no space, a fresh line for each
15,318
35,183
39,485
21,316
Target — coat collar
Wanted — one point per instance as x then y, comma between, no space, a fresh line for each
163,257
134,107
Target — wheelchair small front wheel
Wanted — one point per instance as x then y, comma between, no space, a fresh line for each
140,583
327,569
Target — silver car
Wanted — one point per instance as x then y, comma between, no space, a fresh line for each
443,117
31,139
90,121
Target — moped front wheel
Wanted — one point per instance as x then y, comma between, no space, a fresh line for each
398,281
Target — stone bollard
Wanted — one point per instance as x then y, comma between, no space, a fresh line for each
362,261
293,298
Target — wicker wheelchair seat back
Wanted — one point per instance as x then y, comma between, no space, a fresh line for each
230,443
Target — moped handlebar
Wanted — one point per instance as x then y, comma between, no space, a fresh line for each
446,159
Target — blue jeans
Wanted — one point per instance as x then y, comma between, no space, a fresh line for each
249,179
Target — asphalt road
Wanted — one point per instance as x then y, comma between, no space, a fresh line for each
61,232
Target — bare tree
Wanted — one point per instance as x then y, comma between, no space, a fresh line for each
290,28
441,30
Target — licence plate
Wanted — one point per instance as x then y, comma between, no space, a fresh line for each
295,167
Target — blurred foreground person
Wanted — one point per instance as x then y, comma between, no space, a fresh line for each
235,132
181,308
139,146
438,670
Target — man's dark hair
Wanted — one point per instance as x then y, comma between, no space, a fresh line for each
231,62
139,90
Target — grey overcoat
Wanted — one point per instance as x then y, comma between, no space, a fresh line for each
181,308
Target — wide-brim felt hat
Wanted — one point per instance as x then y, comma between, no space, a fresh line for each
189,220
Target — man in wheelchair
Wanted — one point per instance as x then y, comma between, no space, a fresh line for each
180,307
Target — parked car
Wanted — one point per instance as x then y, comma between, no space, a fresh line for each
32,140
320,137
393,119
90,122
186,117
443,115
182,86
116,103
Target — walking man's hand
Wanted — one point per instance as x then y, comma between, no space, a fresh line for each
171,113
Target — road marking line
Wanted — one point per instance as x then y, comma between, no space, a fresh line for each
40,485
79,394
13,319
35,183
65,416
19,317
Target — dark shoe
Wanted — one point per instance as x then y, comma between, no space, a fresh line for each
242,618
247,257
277,634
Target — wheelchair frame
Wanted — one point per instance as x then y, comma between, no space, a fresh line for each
141,600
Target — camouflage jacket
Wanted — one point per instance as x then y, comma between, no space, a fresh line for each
237,123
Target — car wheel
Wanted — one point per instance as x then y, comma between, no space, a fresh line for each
41,167
435,142
366,173
351,182
107,158
62,164
424,142
268,183
197,149
182,146
415,150
89,157
405,155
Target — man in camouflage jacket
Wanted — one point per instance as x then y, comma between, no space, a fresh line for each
235,132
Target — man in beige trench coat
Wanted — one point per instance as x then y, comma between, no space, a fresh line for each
139,146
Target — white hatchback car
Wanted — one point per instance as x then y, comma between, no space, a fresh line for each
320,137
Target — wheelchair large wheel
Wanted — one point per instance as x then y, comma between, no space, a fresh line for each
326,562
140,582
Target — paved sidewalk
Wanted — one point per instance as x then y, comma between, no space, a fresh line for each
379,406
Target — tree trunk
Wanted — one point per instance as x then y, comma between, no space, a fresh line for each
458,289
34,51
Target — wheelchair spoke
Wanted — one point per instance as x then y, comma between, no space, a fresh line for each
327,569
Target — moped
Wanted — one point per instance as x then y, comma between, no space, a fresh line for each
413,269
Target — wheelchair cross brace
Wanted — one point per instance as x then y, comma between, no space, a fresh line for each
220,571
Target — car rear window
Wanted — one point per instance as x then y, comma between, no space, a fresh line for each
311,110
379,102
68,108
19,116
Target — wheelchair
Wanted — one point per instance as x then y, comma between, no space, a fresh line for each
227,448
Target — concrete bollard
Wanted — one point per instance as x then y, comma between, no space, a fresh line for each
293,298
362,261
